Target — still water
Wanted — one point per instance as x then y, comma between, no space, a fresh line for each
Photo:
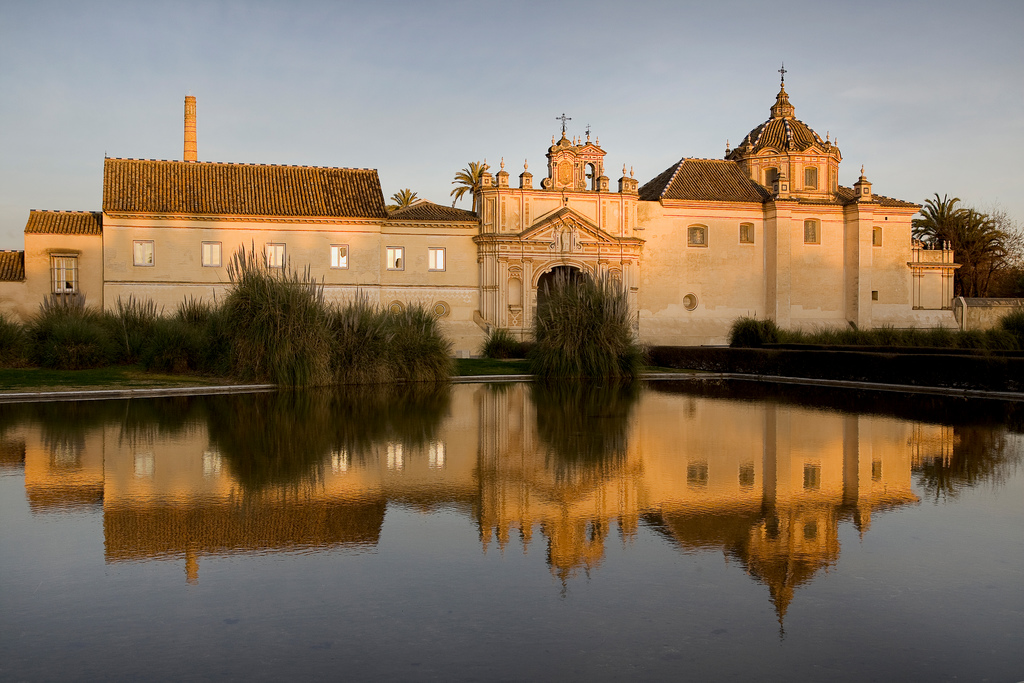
514,532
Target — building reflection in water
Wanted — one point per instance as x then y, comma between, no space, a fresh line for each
767,483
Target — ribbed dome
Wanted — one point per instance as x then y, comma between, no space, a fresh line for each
782,131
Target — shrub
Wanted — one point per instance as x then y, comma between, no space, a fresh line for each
66,335
277,322
131,326
417,350
1014,324
754,333
12,343
584,328
174,346
500,343
360,335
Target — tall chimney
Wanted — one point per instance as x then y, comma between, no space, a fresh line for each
190,128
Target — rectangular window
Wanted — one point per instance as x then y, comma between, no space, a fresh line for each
697,236
64,271
697,474
746,233
275,256
143,252
874,295
396,258
812,477
876,237
770,176
211,254
811,233
339,256
435,258
747,475
811,178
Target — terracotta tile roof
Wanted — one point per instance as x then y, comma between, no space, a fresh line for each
12,266
429,211
64,223
211,189
704,180
846,195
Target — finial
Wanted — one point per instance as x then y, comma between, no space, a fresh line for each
597,141
503,163
783,72
526,165
588,132
727,145
826,136
862,170
552,139
623,169
630,171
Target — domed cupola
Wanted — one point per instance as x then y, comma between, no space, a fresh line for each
786,146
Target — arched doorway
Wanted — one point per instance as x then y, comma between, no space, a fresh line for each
556,274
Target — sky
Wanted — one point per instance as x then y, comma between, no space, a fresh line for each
927,96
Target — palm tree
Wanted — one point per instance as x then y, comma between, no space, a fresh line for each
402,199
468,180
978,244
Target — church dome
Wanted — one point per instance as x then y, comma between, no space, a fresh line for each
782,132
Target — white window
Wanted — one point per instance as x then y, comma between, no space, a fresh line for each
697,236
339,256
811,233
211,254
143,252
436,455
746,233
275,256
64,271
435,258
396,258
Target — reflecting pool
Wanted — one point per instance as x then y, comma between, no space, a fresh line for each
514,532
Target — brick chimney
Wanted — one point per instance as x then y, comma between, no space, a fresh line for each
190,128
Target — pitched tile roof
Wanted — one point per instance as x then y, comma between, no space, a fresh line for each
209,189
64,223
12,266
847,195
704,180
429,211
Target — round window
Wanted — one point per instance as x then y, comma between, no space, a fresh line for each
690,301
441,309
396,307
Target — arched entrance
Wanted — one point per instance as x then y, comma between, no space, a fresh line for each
547,281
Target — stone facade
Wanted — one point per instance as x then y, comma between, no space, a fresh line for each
767,231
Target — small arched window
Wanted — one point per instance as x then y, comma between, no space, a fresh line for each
697,236
812,231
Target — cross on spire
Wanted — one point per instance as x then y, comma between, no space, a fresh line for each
783,72
563,118
588,132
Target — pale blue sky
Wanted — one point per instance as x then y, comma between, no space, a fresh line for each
929,96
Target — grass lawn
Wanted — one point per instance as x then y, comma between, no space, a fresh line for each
118,377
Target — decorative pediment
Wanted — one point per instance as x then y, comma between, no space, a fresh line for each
565,231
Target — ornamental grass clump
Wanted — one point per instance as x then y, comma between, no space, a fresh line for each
583,328
131,326
65,335
12,343
752,333
418,351
278,323
501,343
361,342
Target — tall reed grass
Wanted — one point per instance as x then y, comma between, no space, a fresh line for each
65,335
12,343
584,328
